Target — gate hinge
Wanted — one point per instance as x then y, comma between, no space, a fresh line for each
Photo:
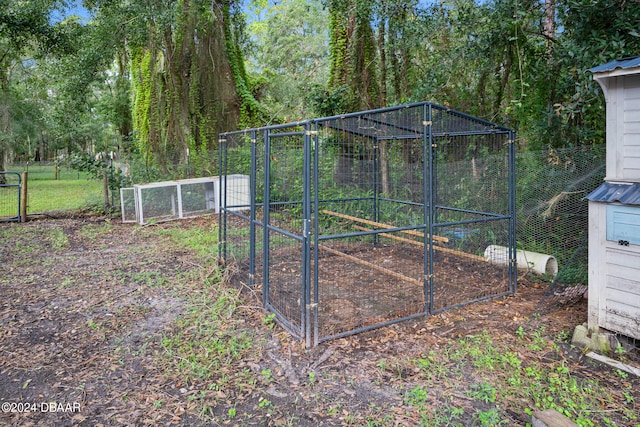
222,140
510,141
311,132
427,123
253,140
312,306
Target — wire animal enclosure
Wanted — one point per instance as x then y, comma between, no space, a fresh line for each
367,219
171,200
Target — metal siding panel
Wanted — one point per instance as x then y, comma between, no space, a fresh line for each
618,63
628,194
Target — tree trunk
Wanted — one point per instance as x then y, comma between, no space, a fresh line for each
549,23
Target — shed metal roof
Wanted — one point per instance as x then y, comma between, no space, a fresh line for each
627,194
618,63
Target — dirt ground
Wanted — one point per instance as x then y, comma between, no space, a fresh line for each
88,308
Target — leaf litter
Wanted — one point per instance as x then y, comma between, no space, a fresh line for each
125,325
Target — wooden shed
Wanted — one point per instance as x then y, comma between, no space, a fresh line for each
614,207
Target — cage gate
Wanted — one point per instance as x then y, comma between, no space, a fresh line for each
361,220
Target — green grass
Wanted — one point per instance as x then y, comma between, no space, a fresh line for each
71,191
493,376
63,195
208,340
47,173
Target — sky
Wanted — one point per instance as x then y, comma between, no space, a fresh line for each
75,8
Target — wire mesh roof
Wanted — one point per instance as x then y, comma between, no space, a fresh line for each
403,122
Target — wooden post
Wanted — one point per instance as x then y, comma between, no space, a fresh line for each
437,248
105,185
23,197
381,225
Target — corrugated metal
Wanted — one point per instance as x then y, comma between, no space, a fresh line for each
627,194
618,63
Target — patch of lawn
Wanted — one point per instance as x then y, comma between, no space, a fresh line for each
61,195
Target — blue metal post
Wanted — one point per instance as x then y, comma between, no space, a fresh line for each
266,215
306,236
252,213
429,189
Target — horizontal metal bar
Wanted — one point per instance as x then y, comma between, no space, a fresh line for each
470,221
236,214
447,208
477,300
402,202
372,327
284,232
470,133
277,135
400,137
354,199
285,323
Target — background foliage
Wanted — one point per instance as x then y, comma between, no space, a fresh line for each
155,82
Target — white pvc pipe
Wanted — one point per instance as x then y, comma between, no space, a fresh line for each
533,261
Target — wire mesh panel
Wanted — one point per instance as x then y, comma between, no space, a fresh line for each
241,230
473,210
157,202
128,204
375,217
9,196
286,241
170,200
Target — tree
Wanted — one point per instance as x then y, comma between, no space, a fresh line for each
25,27
187,75
354,56
288,56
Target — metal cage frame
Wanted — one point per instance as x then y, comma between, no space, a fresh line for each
309,242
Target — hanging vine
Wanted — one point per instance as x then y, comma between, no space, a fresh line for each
189,84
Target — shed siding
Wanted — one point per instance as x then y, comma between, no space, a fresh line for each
631,128
622,291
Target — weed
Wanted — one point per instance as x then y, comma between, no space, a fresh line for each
484,392
58,239
266,375
265,403
488,418
269,320
311,378
231,413
417,396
